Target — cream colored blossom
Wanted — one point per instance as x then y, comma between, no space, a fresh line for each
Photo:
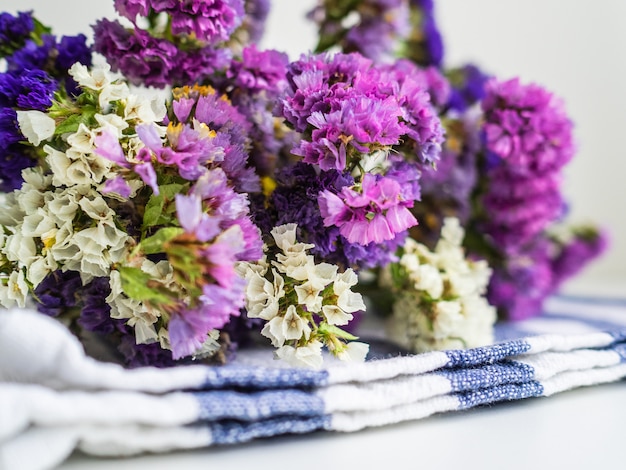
36,126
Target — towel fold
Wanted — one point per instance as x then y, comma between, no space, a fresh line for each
54,397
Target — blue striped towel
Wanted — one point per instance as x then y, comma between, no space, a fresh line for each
51,392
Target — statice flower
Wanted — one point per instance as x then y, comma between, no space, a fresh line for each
468,87
295,200
373,28
254,21
439,295
425,44
528,137
376,213
209,21
14,31
303,303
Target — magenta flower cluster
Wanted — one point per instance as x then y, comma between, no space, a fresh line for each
529,140
210,21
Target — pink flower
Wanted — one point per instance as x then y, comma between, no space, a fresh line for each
376,213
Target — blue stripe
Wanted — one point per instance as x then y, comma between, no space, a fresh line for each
506,392
486,354
462,380
261,378
257,406
234,432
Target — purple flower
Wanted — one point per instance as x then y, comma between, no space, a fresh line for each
14,30
257,12
188,331
13,159
260,70
519,288
573,256
72,49
32,55
107,145
528,138
143,59
117,185
376,214
468,87
194,219
27,89
58,292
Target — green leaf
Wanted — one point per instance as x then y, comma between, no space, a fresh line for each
170,190
136,285
70,125
154,243
153,211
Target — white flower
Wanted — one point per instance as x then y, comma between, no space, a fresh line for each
289,327
336,316
309,356
96,208
82,140
64,206
308,295
428,278
110,122
36,126
284,235
40,268
452,232
447,319
375,162
262,296
355,351
20,249
15,291
37,224
144,109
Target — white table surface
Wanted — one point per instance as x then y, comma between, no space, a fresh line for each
578,429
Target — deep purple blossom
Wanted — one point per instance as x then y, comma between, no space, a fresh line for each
27,89
426,47
32,55
58,292
14,30
519,287
142,58
72,49
468,87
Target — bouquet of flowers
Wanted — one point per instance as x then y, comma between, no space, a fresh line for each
261,199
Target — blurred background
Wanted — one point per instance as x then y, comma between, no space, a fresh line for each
574,49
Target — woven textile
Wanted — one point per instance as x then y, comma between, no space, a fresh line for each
51,392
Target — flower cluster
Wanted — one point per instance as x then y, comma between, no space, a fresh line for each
183,42
169,267
241,202
439,296
303,302
37,66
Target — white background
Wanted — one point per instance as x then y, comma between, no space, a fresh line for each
577,49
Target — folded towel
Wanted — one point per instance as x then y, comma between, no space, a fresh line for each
55,399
